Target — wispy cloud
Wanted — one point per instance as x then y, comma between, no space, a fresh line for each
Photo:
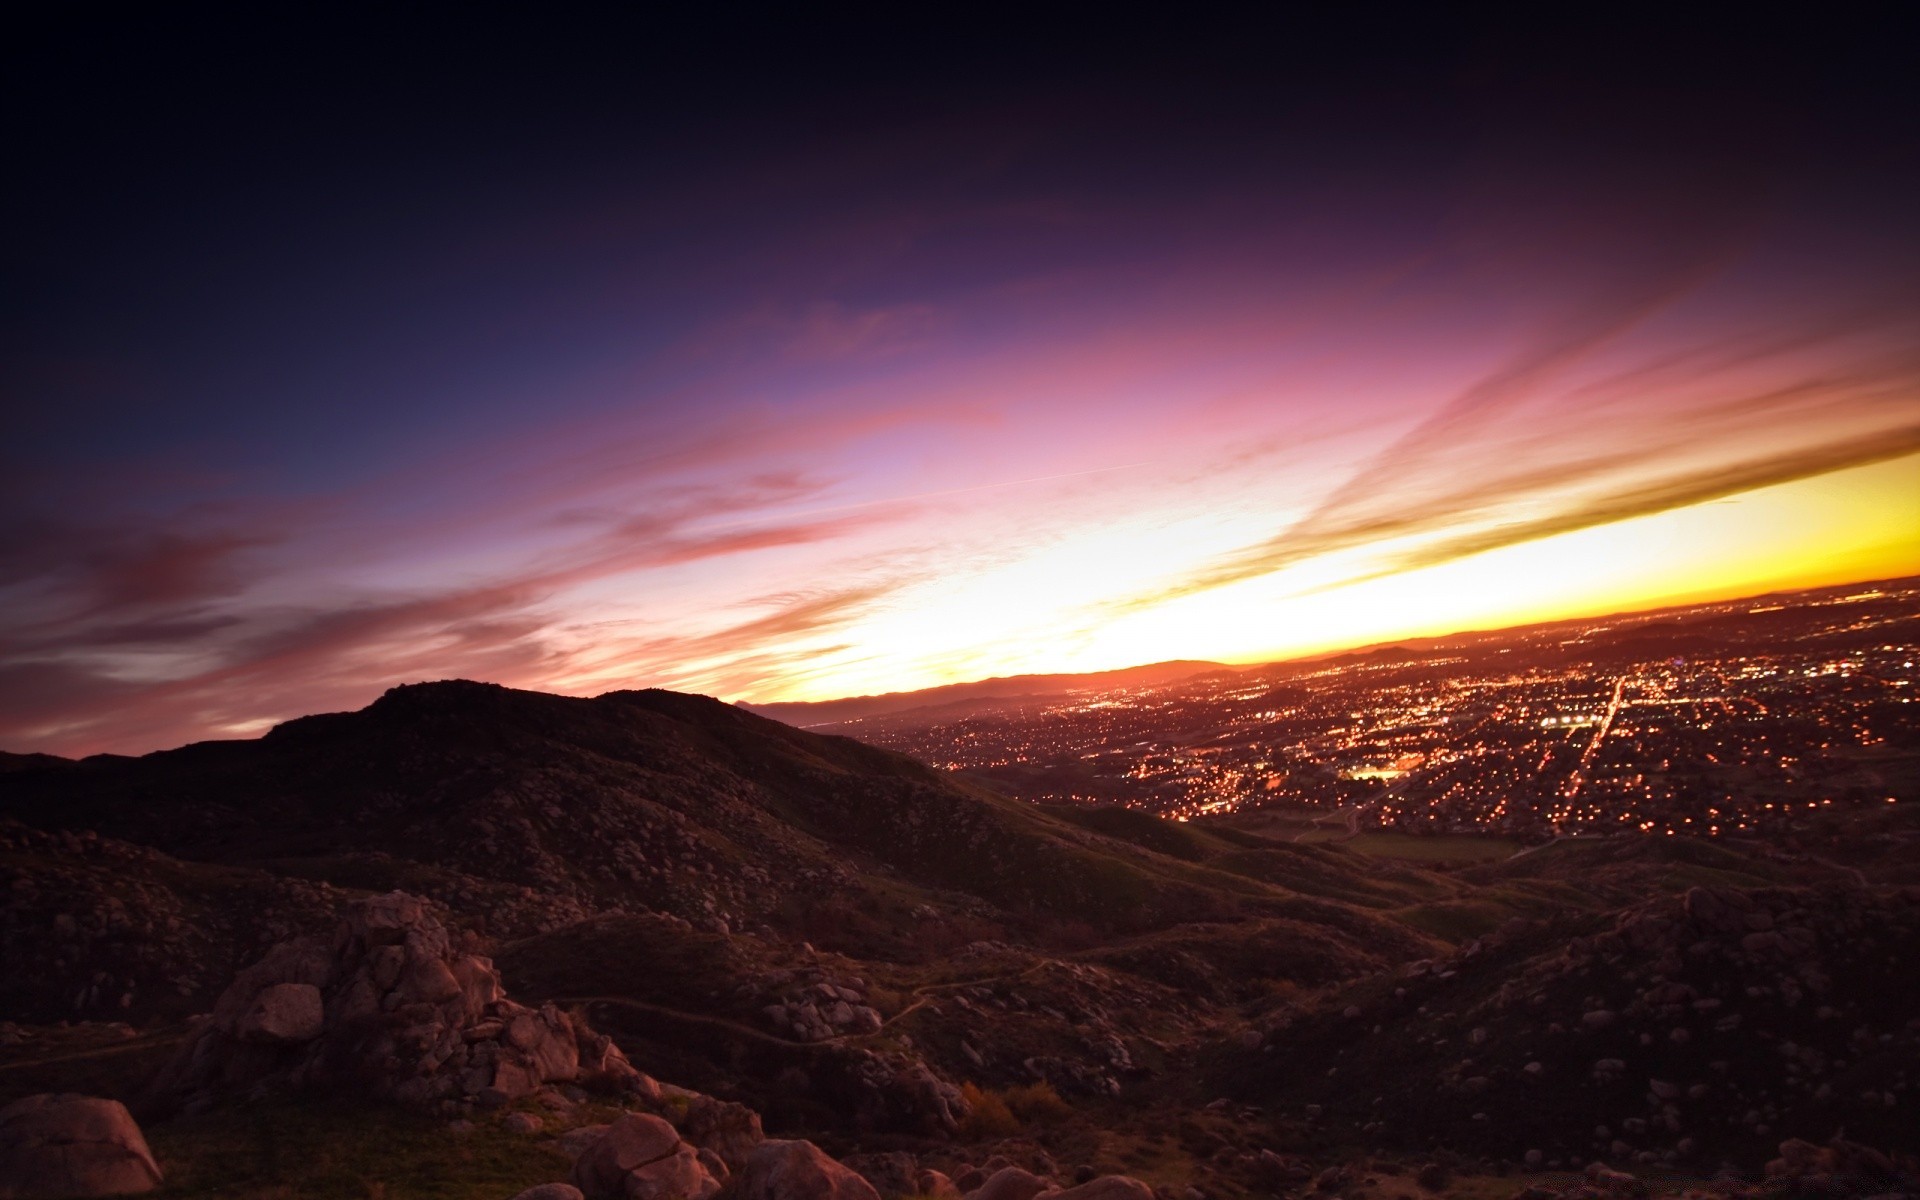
160,638
1480,474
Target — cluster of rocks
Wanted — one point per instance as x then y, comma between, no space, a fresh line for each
591,859
63,1145
810,1006
897,1089
1838,1169
122,931
388,1007
1017,1183
697,1148
1071,1025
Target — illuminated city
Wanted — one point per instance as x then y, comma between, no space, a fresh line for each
1713,720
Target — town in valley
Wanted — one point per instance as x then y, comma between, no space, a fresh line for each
1747,717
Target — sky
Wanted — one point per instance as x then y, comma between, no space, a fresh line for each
785,359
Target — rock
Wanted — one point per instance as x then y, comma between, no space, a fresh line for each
1010,1183
893,1174
1614,1183
1433,1177
730,1130
935,1184
520,1122
1106,1187
1599,1018
574,1142
282,1013
65,1145
679,1176
634,1141
551,1191
796,1170
1801,1154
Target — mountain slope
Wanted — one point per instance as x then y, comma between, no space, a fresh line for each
525,812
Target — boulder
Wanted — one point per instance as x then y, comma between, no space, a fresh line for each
283,1013
1010,1183
679,1176
575,1142
796,1170
935,1184
64,1145
729,1130
551,1191
629,1144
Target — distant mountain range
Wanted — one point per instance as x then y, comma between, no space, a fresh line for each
1011,687
1673,629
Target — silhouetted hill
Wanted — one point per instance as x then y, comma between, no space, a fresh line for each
524,812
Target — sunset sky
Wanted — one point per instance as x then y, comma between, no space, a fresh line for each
792,362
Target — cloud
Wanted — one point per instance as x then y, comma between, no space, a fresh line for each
253,662
1682,430
1661,495
827,331
112,568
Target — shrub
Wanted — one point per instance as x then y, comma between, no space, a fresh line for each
987,1114
1035,1102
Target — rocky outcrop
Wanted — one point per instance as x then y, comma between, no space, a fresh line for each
388,1007
795,1170
898,1090
283,1013
641,1157
810,1006
722,1128
59,1145
1839,1168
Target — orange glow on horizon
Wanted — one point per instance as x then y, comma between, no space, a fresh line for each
1846,526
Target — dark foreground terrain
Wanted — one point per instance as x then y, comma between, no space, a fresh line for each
916,974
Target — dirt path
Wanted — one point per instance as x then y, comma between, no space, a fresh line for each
128,1047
